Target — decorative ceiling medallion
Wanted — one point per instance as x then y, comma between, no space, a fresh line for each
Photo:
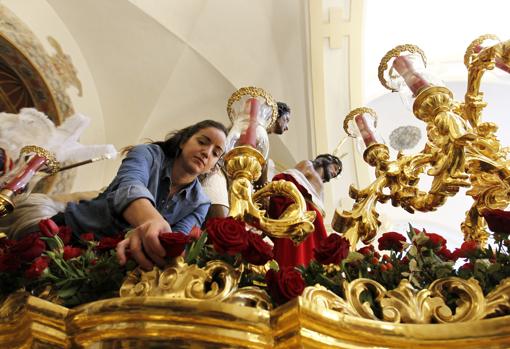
405,137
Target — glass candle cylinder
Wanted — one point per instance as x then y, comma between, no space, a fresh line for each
500,62
251,114
33,164
361,124
409,77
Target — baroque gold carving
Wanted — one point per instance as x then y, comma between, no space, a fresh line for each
461,152
216,281
405,304
243,165
242,320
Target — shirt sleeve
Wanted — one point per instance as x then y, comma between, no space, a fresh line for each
197,217
132,179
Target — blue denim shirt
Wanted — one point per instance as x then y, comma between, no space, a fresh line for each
144,173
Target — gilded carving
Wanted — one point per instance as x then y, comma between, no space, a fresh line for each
460,152
243,165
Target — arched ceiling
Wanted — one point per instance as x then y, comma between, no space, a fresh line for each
163,65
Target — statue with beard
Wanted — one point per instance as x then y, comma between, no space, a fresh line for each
309,177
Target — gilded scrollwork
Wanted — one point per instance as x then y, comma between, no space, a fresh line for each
250,296
319,298
405,304
216,281
461,152
243,165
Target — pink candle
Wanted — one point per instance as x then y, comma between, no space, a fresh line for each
499,62
25,174
413,79
249,136
366,133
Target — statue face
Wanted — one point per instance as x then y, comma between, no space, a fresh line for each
332,170
327,168
282,124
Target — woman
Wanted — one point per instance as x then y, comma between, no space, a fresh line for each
156,190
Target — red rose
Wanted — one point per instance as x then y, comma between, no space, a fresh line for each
466,250
9,262
108,242
445,254
195,233
28,248
173,243
48,227
435,241
258,251
65,233
285,284
5,245
366,250
37,268
404,261
332,249
498,222
227,235
87,236
391,241
72,252
467,266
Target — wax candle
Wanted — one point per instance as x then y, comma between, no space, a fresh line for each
412,78
25,174
500,63
249,136
366,133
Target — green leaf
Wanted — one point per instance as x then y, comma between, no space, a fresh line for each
353,257
67,292
195,249
273,264
410,232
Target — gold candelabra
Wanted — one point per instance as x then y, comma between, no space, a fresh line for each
244,165
461,151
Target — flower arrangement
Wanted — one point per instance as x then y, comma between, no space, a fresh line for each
76,271
51,264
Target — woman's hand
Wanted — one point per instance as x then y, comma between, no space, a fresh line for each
143,243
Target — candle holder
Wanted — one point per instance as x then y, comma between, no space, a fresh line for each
34,164
404,70
361,124
461,150
252,111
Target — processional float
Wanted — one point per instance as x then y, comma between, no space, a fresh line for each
181,307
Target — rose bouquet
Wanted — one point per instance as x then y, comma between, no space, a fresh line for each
51,264
69,270
421,258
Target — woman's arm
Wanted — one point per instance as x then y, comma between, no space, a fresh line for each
143,241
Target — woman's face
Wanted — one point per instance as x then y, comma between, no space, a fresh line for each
201,152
